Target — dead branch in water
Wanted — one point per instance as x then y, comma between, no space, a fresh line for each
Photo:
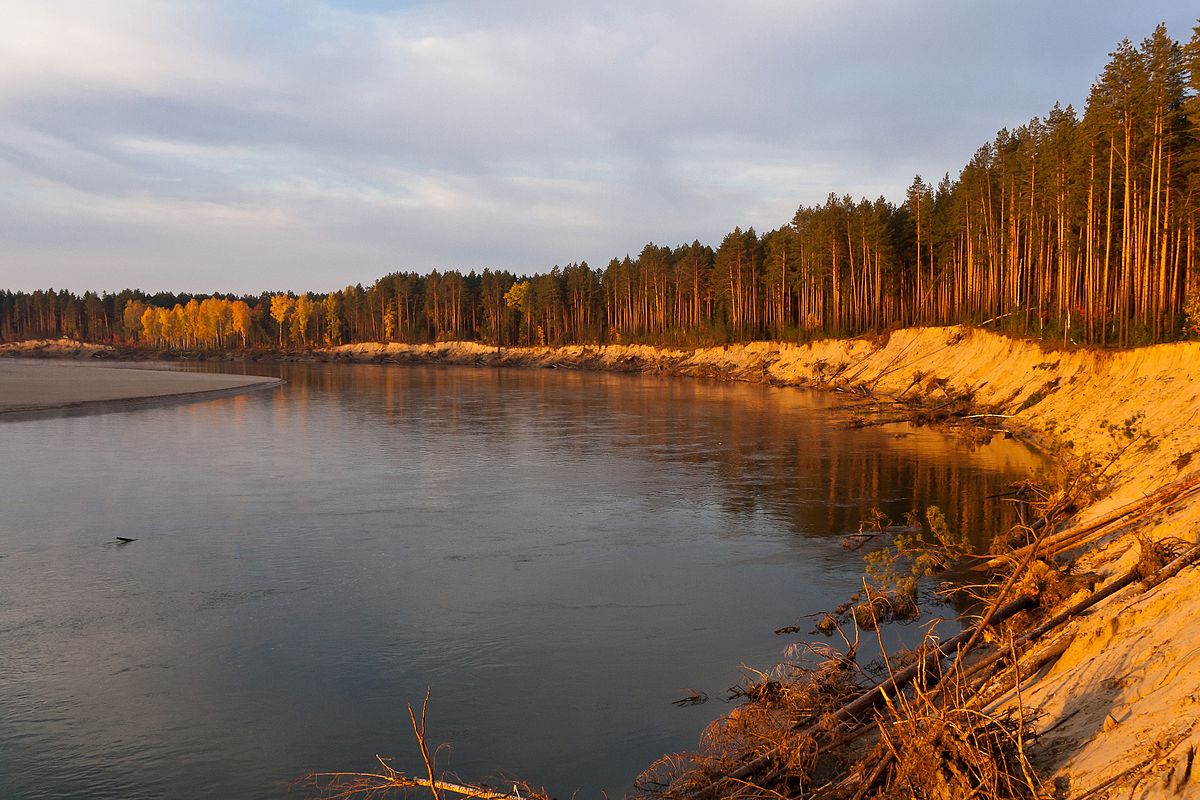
351,785
348,785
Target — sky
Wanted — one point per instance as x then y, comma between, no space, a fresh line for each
307,145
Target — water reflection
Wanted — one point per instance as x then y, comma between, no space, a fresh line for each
557,554
787,454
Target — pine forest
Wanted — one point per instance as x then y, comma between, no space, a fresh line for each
1075,228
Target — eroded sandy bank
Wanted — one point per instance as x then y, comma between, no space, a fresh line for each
39,388
55,348
1119,710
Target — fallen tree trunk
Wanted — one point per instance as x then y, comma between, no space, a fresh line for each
1076,537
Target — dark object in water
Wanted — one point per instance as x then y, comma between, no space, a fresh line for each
694,698
125,540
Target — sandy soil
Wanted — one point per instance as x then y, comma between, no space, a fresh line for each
55,348
28,387
1119,712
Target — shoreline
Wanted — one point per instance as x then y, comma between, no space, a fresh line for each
1113,693
1117,693
52,389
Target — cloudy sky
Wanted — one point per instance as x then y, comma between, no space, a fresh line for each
239,146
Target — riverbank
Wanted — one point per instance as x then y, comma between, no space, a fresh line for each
29,388
1118,712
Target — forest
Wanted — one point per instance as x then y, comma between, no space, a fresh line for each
1075,228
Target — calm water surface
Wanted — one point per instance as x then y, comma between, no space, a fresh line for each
556,555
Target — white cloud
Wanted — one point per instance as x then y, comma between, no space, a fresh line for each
249,144
126,46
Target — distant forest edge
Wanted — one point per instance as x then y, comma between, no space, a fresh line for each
1068,228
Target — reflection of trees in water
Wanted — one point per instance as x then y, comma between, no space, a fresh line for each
821,477
790,455
896,482
779,452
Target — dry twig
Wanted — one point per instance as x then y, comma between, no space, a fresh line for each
353,785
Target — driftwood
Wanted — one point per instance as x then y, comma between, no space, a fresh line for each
350,785
367,784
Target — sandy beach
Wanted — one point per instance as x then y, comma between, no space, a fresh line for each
29,387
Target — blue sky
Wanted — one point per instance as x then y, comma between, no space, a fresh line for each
231,146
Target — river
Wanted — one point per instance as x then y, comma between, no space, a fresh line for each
556,556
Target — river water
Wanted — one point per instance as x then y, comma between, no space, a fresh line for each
556,556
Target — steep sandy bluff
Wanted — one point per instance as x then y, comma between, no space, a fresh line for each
1118,712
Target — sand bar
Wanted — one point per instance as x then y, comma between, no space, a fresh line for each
27,388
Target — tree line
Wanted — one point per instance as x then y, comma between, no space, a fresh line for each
1074,227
